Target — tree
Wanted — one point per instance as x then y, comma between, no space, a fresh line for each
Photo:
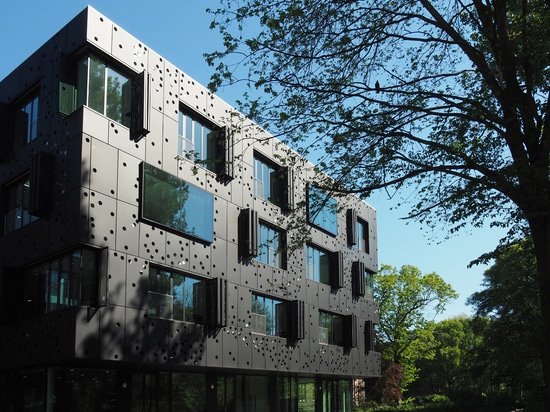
445,97
511,301
449,368
405,296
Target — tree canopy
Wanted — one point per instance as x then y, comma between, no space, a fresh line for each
447,98
406,298
511,355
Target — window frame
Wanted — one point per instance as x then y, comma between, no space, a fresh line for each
340,330
271,177
125,90
319,210
362,231
209,154
321,270
84,286
27,131
18,197
277,310
333,324
186,309
272,256
200,200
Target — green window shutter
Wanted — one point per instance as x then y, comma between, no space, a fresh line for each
67,99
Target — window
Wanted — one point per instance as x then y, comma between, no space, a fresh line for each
362,231
18,205
335,329
175,204
71,279
172,296
324,267
278,318
330,328
26,121
268,315
197,140
369,285
269,181
270,247
106,90
317,264
175,296
321,210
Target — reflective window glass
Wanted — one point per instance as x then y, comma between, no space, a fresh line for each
197,140
176,204
268,316
322,210
270,246
172,295
17,205
269,181
317,264
105,90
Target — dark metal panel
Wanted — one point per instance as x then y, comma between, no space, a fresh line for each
87,342
111,332
42,182
231,347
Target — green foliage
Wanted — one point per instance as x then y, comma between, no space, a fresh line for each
448,99
510,358
439,121
405,297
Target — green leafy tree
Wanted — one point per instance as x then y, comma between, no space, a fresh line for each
511,355
449,368
405,297
446,97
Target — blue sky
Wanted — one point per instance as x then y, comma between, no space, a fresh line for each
178,31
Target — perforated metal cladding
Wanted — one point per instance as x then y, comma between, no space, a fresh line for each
96,200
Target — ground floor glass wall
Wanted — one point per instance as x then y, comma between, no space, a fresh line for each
93,390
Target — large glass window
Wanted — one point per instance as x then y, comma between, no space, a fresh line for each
317,264
322,210
172,295
362,241
18,203
268,316
68,280
269,181
175,204
105,90
197,140
369,285
26,121
271,243
331,328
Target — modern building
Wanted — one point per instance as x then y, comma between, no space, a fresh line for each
149,258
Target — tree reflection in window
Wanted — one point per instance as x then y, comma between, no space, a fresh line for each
176,204
322,210
105,90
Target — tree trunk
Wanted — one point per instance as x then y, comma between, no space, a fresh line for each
540,232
